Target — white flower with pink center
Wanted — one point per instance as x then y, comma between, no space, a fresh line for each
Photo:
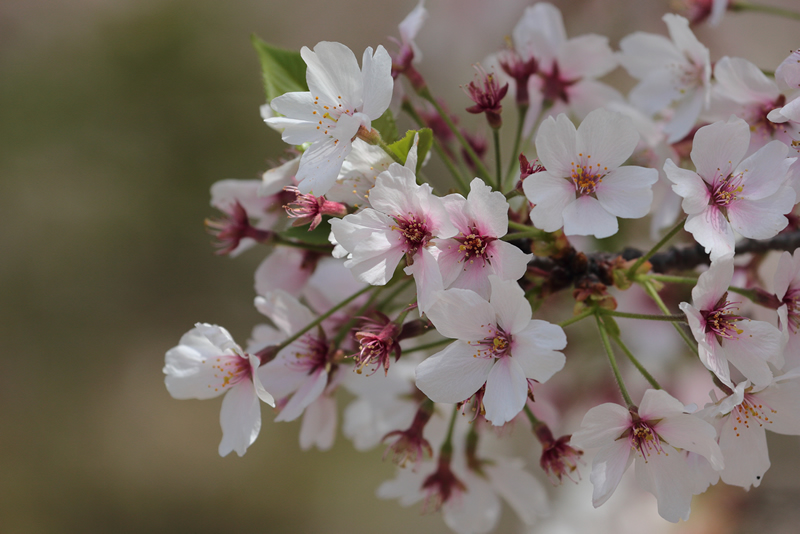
584,188
674,74
302,369
208,363
787,289
729,193
653,436
467,260
342,99
565,78
724,336
498,345
742,419
405,220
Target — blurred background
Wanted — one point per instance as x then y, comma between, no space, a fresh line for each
116,116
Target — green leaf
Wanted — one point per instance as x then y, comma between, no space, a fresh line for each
284,70
386,126
318,237
403,146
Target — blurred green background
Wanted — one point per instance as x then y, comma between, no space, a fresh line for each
116,116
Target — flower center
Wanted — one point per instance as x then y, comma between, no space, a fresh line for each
312,356
585,177
495,345
727,189
229,370
751,412
645,440
328,114
414,232
474,245
722,321
792,301
555,86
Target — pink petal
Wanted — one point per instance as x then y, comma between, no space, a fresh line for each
712,230
720,145
319,424
764,218
309,391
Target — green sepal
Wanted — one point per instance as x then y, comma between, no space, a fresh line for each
386,127
402,146
318,236
284,71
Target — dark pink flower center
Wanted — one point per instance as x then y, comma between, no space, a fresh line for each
586,177
229,370
645,440
721,321
496,345
473,245
312,356
555,86
414,233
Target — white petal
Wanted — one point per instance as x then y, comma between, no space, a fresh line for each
319,424
758,343
320,165
765,171
506,391
556,145
657,404
745,450
309,391
378,82
261,393
427,277
743,82
521,490
551,196
488,208
608,466
240,419
720,145
713,284
642,53
667,476
284,311
333,73
764,218
685,116
462,314
587,56
601,425
454,374
710,229
586,216
476,511
627,191
608,138
688,185
688,432
510,305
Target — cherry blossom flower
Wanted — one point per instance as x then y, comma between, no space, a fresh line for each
357,176
583,188
698,11
730,193
409,53
787,289
342,99
208,363
788,72
286,268
404,220
470,503
487,98
742,89
673,74
724,336
566,69
653,435
302,369
467,260
497,345
742,419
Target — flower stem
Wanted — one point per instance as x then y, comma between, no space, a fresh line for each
770,10
635,362
400,288
345,328
613,361
532,418
497,161
321,318
522,110
672,279
749,293
426,94
635,267
648,287
580,317
675,318
447,446
322,249
437,147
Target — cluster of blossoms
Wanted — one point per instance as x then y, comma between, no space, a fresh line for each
436,369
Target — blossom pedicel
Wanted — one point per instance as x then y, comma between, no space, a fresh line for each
443,306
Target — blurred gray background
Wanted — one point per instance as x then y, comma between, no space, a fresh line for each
116,116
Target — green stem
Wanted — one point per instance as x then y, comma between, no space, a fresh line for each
635,362
437,147
635,267
522,235
321,318
770,10
522,227
400,288
749,293
532,418
322,249
676,318
648,287
345,328
522,110
497,161
580,317
427,346
613,361
426,94
447,446
670,279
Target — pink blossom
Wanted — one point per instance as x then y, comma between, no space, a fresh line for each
497,345
652,435
208,363
787,289
730,193
723,335
584,188
467,260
